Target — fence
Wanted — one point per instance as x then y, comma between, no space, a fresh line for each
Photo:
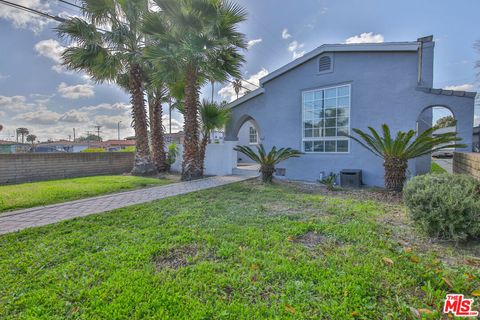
23,167
467,163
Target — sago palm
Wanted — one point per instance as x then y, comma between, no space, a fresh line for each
396,152
268,161
212,117
195,40
108,54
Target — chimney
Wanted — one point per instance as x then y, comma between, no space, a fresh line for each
425,61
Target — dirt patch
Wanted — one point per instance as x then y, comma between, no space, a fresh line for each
375,194
398,225
312,240
178,258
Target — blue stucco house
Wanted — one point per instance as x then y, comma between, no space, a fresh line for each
310,103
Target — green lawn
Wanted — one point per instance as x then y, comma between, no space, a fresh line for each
242,251
33,194
436,168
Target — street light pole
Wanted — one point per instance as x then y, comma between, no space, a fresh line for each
118,129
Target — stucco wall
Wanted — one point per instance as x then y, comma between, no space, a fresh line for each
383,90
467,163
23,167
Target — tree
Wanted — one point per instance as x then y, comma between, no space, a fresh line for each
212,117
396,152
1,128
237,86
445,122
195,40
89,137
269,160
155,98
109,54
23,132
31,138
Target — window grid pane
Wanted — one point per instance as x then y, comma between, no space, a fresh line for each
326,119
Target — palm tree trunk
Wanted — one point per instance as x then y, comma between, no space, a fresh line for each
203,149
267,173
395,173
143,164
191,167
156,132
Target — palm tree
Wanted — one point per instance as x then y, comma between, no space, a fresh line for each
212,117
31,138
23,132
268,160
1,128
396,152
155,98
109,54
237,86
195,40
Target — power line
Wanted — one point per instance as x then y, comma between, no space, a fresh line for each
72,4
34,11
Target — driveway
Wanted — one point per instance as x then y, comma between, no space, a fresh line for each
446,164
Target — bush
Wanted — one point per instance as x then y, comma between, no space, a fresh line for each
445,205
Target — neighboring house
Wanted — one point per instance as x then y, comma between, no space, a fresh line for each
113,145
217,136
13,147
60,146
175,137
476,139
312,102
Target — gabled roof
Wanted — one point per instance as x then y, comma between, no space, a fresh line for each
248,96
385,46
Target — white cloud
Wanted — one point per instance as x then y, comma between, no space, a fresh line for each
111,122
14,103
366,37
51,49
294,47
476,121
119,106
253,42
76,92
23,19
4,76
176,125
285,34
74,116
228,92
461,87
41,116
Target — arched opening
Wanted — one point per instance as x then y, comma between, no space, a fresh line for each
443,120
248,133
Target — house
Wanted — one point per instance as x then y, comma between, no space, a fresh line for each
312,102
175,137
113,145
60,146
13,147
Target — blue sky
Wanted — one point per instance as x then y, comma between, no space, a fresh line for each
37,93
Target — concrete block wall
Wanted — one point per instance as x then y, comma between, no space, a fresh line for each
467,163
24,167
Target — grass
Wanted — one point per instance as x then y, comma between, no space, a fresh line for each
436,168
33,194
243,251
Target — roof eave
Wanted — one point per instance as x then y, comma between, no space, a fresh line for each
246,97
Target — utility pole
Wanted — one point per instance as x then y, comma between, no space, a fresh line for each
98,131
118,129
73,134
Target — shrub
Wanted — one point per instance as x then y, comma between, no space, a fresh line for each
93,150
445,205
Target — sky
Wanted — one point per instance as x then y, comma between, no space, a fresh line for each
36,92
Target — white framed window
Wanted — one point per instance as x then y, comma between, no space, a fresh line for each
326,120
252,136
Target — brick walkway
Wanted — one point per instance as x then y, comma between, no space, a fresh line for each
39,216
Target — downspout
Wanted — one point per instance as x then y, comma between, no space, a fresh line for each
420,63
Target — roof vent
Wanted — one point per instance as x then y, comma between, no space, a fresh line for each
325,64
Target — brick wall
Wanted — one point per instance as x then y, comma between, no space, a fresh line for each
467,163
23,167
